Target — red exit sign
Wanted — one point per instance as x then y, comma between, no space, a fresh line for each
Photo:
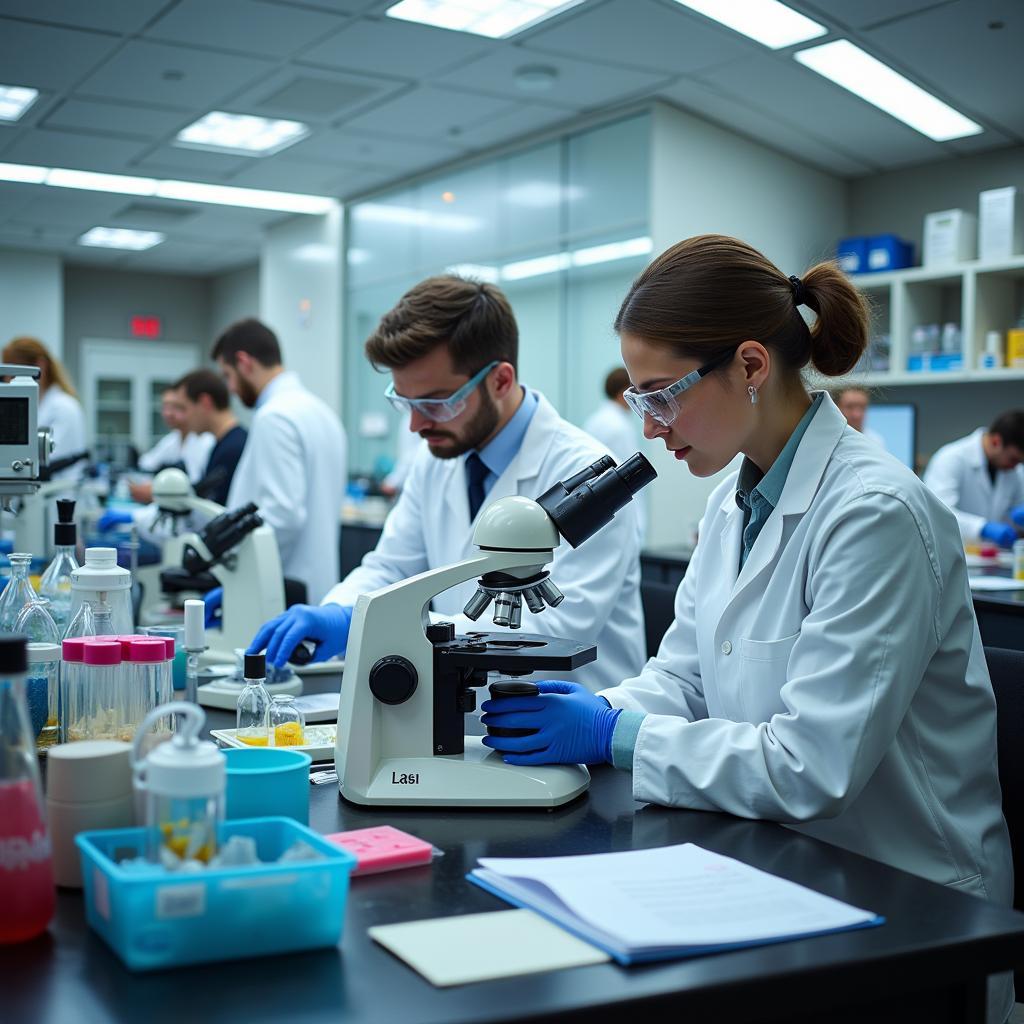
146,326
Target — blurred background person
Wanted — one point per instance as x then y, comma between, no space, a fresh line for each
853,404
178,448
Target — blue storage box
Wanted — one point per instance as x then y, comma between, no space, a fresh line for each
852,254
938,362
888,252
159,919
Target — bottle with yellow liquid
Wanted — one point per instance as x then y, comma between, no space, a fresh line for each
287,723
253,714
1018,560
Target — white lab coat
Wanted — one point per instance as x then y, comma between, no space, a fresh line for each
66,420
958,475
295,468
837,683
429,527
192,451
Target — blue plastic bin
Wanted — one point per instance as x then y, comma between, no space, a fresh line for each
852,254
888,252
161,919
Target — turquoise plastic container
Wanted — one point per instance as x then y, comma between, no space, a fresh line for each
267,781
160,919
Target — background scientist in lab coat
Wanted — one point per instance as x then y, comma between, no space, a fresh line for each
452,347
980,477
295,464
824,668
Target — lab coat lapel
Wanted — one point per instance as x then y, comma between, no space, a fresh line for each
456,509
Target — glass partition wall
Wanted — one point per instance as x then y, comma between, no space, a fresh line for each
561,227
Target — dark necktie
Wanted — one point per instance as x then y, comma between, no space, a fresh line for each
476,473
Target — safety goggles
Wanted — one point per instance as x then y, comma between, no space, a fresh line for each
439,410
663,405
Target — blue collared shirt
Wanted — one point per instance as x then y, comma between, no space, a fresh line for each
497,456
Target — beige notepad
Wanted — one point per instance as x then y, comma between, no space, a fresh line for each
481,947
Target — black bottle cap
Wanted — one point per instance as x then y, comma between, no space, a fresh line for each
13,654
255,666
65,510
65,532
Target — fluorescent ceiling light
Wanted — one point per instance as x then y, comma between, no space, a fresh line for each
410,216
612,251
189,191
121,238
15,100
539,194
241,133
476,271
496,19
767,21
851,67
535,267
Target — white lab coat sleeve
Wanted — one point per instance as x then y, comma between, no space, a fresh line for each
942,478
400,553
872,590
670,682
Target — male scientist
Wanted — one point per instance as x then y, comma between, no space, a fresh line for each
853,404
980,477
452,345
294,466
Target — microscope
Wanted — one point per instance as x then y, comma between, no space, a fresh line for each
24,447
409,682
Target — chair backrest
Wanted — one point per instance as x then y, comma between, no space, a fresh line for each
1007,671
659,601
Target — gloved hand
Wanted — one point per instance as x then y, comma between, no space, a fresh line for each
1017,516
113,517
326,624
214,599
1002,534
574,726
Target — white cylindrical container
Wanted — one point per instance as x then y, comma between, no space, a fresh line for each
106,587
88,786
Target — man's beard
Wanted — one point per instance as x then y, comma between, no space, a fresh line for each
247,394
478,430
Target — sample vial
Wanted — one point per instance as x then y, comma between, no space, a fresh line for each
253,715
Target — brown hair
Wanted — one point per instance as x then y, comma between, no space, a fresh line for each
250,336
711,292
205,382
33,352
1010,427
616,382
473,318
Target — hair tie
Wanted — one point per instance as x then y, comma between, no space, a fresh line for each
800,293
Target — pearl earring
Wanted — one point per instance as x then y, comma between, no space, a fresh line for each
752,391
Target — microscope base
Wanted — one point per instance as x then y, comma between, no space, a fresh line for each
477,778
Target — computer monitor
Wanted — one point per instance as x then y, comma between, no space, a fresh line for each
896,424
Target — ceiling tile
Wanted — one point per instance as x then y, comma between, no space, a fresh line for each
149,73
72,149
415,51
295,176
952,50
247,26
522,119
173,161
109,118
866,12
37,235
641,33
45,57
14,198
579,84
353,147
71,209
429,113
105,16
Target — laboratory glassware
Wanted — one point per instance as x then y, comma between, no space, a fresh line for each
17,593
253,709
55,584
287,723
106,588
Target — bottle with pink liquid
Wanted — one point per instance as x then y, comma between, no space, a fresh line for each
26,865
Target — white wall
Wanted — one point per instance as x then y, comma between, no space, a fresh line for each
233,296
32,298
300,291
705,179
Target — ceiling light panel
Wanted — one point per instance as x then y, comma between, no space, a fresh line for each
241,133
15,100
496,19
767,21
121,238
867,77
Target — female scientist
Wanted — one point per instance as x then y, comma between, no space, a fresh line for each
824,668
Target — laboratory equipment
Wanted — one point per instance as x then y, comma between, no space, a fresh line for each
183,786
18,593
97,706
896,423
70,683
88,786
55,584
253,707
1018,559
103,587
37,626
26,868
148,685
268,781
409,682
286,723
24,447
175,649
195,645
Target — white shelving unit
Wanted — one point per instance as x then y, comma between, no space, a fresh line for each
981,297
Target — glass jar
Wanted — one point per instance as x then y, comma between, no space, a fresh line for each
104,714
287,723
148,685
17,593
41,688
55,584
72,697
253,708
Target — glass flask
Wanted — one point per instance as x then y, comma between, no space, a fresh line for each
41,688
17,593
55,584
287,723
26,863
253,717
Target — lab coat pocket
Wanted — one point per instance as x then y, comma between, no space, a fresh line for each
764,666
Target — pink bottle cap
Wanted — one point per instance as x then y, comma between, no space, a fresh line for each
72,649
101,652
148,650
125,642
169,641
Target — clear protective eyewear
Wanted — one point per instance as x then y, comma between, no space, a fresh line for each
439,410
662,405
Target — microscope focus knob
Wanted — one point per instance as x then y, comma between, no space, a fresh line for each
441,632
393,679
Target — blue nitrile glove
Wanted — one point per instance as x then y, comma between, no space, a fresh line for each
326,624
113,517
574,726
213,600
1002,534
1017,516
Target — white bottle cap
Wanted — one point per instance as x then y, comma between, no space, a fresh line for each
183,769
195,625
101,572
